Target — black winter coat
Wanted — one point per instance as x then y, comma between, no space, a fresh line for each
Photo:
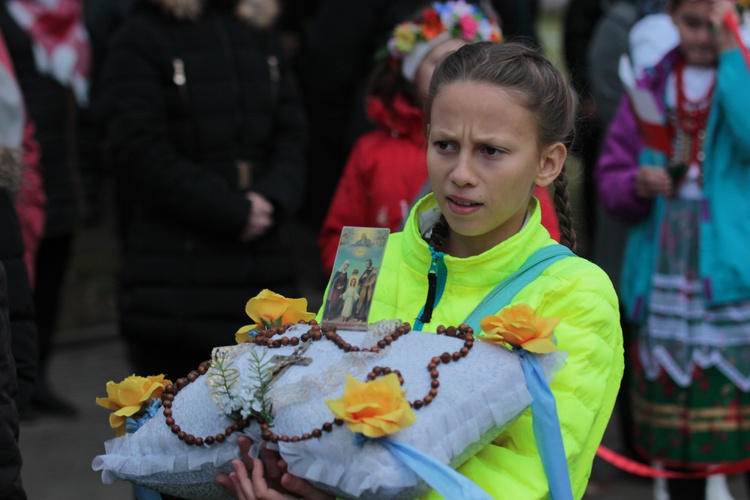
18,348
190,99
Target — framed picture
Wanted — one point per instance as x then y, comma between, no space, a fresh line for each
355,274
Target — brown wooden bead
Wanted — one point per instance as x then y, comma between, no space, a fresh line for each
305,337
175,428
440,330
294,341
199,441
274,438
220,438
388,339
338,421
189,440
166,404
284,439
284,340
328,427
305,436
170,421
456,356
316,433
316,335
382,344
375,349
265,435
435,384
228,431
191,377
427,399
464,351
347,347
355,348
202,370
167,412
445,357
386,370
209,440
294,439
181,382
435,360
181,435
418,404
450,331
433,392
276,344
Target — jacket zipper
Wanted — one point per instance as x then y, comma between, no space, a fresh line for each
436,277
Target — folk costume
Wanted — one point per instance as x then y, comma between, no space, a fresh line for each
685,279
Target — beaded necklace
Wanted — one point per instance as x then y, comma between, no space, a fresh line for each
688,128
316,333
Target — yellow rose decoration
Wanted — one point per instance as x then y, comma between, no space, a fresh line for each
519,326
127,397
375,408
269,308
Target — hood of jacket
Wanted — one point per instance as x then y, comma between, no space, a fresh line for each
258,13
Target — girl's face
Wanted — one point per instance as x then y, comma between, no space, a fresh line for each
693,21
427,66
484,160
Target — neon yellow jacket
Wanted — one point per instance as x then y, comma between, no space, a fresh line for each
572,289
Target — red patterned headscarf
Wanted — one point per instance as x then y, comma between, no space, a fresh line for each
60,43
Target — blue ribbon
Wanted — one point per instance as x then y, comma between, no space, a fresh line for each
135,422
443,479
143,493
546,427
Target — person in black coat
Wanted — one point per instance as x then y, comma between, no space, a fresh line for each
18,351
207,139
56,98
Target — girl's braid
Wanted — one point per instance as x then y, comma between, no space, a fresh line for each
564,211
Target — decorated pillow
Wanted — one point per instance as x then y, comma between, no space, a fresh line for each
346,409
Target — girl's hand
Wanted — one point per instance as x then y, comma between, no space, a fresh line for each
255,485
724,37
651,182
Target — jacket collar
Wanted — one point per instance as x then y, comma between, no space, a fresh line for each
497,263
401,119
258,13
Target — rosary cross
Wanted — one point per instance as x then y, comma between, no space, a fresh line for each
284,362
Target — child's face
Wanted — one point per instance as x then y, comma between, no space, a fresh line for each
484,159
427,66
693,21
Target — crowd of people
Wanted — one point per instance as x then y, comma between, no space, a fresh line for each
220,122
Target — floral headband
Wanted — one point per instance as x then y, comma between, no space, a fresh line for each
411,41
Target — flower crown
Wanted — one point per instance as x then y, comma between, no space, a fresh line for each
456,17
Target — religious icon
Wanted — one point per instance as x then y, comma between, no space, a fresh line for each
355,273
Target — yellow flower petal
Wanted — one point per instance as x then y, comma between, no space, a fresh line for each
519,326
375,408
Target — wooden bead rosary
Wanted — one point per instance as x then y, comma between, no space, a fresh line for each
265,338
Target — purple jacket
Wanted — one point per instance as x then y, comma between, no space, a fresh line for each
620,156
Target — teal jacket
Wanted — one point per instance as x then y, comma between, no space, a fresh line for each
572,289
725,223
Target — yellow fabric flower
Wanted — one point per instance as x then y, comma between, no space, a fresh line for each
519,326
269,308
404,37
127,397
375,408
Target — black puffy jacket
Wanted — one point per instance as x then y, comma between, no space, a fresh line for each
190,98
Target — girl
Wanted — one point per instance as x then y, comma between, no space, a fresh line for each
498,119
686,282
386,170
349,299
